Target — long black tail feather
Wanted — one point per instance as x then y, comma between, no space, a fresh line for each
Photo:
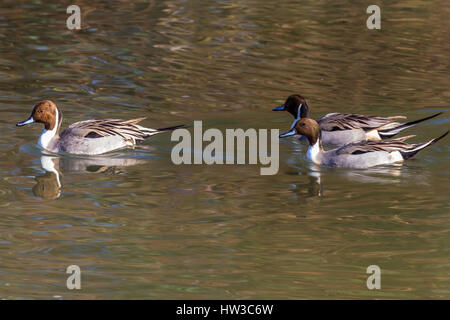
389,133
172,128
411,153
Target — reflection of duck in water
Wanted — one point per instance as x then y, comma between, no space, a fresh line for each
386,175
48,186
307,187
98,164
313,186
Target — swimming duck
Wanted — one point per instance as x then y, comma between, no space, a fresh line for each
361,154
89,137
343,128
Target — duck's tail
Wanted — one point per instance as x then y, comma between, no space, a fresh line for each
171,128
390,132
150,132
406,154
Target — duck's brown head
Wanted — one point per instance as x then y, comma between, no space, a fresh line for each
44,112
296,105
306,127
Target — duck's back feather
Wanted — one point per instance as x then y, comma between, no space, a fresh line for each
347,121
398,144
94,129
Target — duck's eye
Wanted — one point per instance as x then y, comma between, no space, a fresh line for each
302,124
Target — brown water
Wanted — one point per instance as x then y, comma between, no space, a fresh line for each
142,227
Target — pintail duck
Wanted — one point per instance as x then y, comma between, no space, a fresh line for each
343,128
88,137
361,154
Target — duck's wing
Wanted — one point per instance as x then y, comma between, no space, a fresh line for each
127,129
347,121
398,144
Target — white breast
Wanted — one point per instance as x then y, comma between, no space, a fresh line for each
47,135
313,153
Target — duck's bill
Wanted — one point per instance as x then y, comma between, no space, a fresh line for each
291,132
24,123
280,108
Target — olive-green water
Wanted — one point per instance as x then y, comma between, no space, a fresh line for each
140,227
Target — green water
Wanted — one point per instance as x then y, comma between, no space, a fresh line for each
141,227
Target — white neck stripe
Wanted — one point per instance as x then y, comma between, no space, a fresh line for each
298,111
47,135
